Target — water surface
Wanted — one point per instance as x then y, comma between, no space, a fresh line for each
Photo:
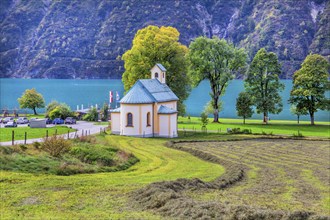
92,92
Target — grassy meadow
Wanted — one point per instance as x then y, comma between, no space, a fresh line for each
101,195
275,127
279,174
6,133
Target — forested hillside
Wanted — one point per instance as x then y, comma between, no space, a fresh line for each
86,38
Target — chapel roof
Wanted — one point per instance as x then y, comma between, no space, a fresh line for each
161,67
149,91
115,110
166,110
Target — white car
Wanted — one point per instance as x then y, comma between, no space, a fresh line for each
22,120
7,119
11,124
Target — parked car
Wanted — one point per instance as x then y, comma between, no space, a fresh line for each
11,124
22,120
7,119
49,121
58,121
70,120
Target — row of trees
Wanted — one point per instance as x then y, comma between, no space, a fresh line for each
307,96
32,99
219,62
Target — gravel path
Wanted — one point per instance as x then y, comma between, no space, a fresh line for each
82,127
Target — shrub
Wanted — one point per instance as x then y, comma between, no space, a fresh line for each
92,115
298,135
239,131
204,119
36,145
105,112
23,147
6,150
265,133
58,110
87,139
87,153
56,146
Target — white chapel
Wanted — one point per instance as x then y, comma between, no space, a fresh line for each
149,109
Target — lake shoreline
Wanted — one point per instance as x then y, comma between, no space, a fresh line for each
84,93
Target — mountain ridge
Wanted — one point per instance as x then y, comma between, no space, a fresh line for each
85,39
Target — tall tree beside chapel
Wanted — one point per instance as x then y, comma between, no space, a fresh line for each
263,84
153,45
215,60
310,84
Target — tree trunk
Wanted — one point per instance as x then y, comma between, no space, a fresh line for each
243,120
312,118
34,110
215,107
298,118
265,118
216,115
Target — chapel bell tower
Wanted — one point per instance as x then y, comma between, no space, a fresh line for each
158,72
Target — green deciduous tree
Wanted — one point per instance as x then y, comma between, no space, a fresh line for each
92,115
243,106
51,106
62,111
204,120
263,84
209,107
310,83
153,45
105,112
215,60
31,99
58,110
298,110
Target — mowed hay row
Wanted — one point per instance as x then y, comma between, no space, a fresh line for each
282,174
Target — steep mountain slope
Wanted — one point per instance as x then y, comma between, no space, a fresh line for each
85,39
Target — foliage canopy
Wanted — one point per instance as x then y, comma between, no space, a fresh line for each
58,110
153,45
243,106
215,60
263,84
105,112
31,99
92,115
310,83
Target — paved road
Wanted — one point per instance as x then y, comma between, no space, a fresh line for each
82,127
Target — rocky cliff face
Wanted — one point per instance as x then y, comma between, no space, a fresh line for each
85,39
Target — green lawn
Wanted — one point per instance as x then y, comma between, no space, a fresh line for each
35,116
6,133
102,123
102,195
276,127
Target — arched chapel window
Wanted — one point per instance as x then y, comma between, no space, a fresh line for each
156,75
148,119
130,119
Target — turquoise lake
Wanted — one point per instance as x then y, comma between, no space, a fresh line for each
92,92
